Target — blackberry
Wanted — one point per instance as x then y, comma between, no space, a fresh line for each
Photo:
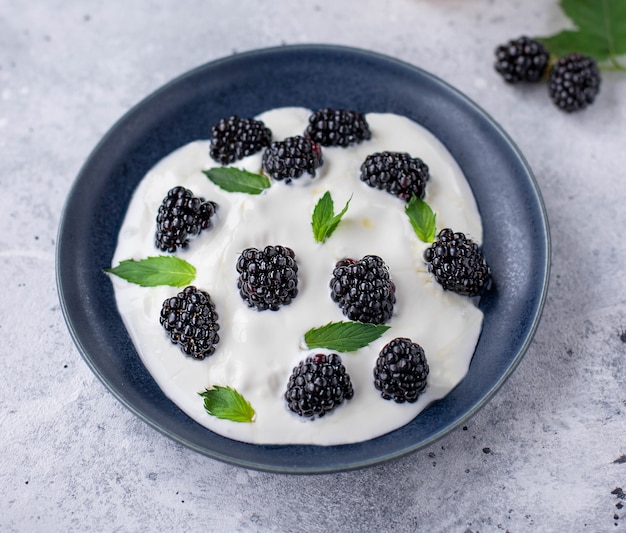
191,322
267,278
363,289
338,127
521,59
457,263
234,138
289,159
181,215
574,82
401,371
318,385
397,173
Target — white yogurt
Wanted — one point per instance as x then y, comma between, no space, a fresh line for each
258,350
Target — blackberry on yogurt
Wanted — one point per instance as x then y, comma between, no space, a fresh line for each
318,385
401,371
397,173
363,289
338,127
234,138
190,320
457,263
181,216
268,278
291,158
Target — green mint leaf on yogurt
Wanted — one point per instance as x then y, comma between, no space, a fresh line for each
343,336
155,271
422,219
226,403
600,31
232,179
324,221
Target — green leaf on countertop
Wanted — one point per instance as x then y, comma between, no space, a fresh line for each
343,336
324,221
600,31
155,271
226,403
422,218
232,179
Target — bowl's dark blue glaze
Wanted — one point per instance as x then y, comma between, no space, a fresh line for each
516,236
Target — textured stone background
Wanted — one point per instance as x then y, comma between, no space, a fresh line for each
546,454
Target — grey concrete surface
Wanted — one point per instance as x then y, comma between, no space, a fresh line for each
546,454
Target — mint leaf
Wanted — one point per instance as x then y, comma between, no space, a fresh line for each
324,221
343,336
569,41
226,403
422,219
154,271
232,179
600,33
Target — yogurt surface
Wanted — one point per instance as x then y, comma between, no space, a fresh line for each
258,350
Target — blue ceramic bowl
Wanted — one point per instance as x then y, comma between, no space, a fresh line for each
516,237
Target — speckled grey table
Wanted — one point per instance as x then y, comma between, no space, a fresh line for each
546,454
